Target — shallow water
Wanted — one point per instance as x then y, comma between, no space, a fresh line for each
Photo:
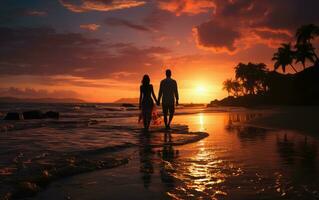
85,136
233,162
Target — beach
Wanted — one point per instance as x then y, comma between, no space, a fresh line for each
97,151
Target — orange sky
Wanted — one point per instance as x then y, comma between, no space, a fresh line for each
99,50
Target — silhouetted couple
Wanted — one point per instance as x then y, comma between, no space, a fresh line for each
168,92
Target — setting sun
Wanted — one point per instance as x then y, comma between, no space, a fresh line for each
200,90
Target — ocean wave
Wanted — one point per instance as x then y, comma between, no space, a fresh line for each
40,170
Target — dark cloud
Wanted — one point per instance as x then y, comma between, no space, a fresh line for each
290,14
283,14
214,35
126,23
43,51
33,93
268,22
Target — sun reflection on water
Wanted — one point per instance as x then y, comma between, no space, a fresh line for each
237,160
201,122
203,175
202,171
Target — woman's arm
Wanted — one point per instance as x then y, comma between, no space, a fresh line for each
160,93
140,101
176,93
153,94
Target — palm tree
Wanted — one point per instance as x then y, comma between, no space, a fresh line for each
236,88
232,86
241,73
227,85
251,76
307,33
304,52
283,57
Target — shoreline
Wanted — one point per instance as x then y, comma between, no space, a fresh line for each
154,174
301,118
37,178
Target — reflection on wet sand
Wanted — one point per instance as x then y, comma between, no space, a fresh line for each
234,162
146,164
242,117
249,163
285,149
301,155
167,155
308,153
245,133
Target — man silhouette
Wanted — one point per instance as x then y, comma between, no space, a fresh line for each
168,90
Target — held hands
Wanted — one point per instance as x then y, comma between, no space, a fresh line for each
158,103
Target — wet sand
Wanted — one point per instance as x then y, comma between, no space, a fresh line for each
258,154
26,177
303,119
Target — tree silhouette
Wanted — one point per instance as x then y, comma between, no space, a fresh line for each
227,85
304,52
283,57
236,88
254,84
251,76
232,86
305,34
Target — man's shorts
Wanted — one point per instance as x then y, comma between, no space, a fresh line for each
168,108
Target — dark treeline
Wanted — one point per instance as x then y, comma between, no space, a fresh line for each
255,84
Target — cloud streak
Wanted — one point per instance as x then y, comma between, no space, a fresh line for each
90,27
34,93
126,23
36,13
99,5
43,51
188,7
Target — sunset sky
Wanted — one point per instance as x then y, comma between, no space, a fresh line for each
98,50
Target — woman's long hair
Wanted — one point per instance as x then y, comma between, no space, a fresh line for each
146,80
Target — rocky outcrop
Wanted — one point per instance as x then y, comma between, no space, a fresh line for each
13,116
128,105
52,115
33,114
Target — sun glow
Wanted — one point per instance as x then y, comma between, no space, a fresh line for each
201,90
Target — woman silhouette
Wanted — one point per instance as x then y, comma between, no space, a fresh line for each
146,102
